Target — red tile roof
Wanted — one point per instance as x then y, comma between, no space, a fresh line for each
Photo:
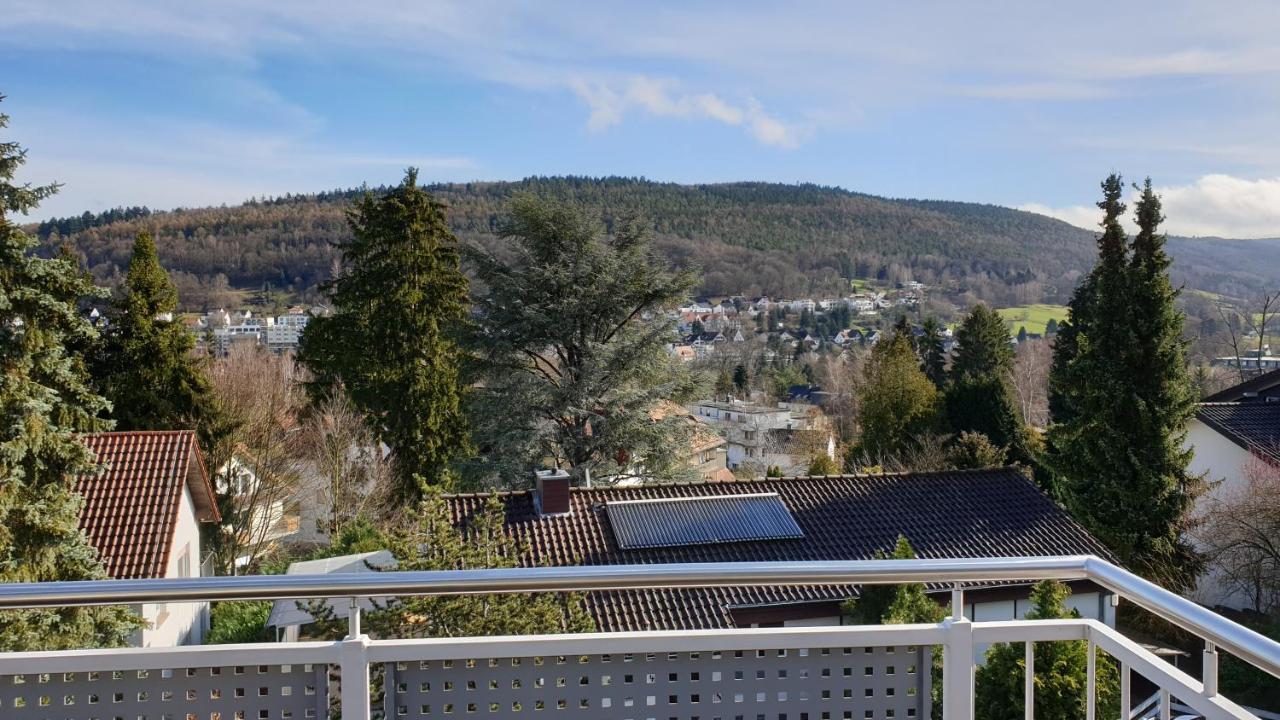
973,513
131,507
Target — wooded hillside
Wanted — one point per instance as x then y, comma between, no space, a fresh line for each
750,238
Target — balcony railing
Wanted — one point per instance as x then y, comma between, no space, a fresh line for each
802,673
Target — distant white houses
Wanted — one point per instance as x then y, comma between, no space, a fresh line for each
225,330
1250,360
760,437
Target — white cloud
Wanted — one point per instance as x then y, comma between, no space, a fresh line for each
663,98
1224,205
1214,205
1079,215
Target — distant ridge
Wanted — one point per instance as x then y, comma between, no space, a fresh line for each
747,237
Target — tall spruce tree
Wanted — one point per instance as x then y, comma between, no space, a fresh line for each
145,366
982,345
979,398
45,400
391,340
933,354
1128,398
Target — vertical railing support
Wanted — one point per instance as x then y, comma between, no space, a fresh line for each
1091,683
1210,673
1029,688
957,662
1126,698
1166,705
354,667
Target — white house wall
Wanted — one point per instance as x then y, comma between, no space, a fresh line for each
183,622
1223,463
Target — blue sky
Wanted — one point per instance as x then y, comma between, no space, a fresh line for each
1024,104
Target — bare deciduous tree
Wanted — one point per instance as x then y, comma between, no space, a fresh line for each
1241,535
1030,378
346,472
1257,318
257,476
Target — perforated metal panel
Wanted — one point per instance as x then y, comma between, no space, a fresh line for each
256,692
806,684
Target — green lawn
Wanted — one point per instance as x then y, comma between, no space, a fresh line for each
1032,317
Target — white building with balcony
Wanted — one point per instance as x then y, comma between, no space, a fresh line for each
759,436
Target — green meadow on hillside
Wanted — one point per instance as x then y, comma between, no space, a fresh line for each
1032,317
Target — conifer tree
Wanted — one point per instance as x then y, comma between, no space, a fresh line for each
899,404
145,367
430,541
901,605
390,342
982,346
1127,398
979,398
1079,309
933,356
45,400
571,338
1060,671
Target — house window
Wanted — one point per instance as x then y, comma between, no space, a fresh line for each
184,562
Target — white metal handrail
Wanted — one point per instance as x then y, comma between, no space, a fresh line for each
958,636
1222,633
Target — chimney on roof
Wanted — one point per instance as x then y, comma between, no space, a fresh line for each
551,491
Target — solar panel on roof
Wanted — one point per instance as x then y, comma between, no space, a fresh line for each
700,520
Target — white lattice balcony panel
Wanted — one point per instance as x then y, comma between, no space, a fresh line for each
782,674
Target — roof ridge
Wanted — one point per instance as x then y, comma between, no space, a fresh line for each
753,480
139,432
1221,403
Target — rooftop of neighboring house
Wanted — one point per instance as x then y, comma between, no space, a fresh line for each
975,513
1266,385
131,506
746,408
701,438
1254,426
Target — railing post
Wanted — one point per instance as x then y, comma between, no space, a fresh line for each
1091,683
1210,673
1029,689
957,662
354,668
1166,706
1126,696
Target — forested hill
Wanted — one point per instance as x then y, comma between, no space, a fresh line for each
750,238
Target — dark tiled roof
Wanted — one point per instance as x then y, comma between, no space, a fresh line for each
1253,426
1265,384
978,513
131,507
